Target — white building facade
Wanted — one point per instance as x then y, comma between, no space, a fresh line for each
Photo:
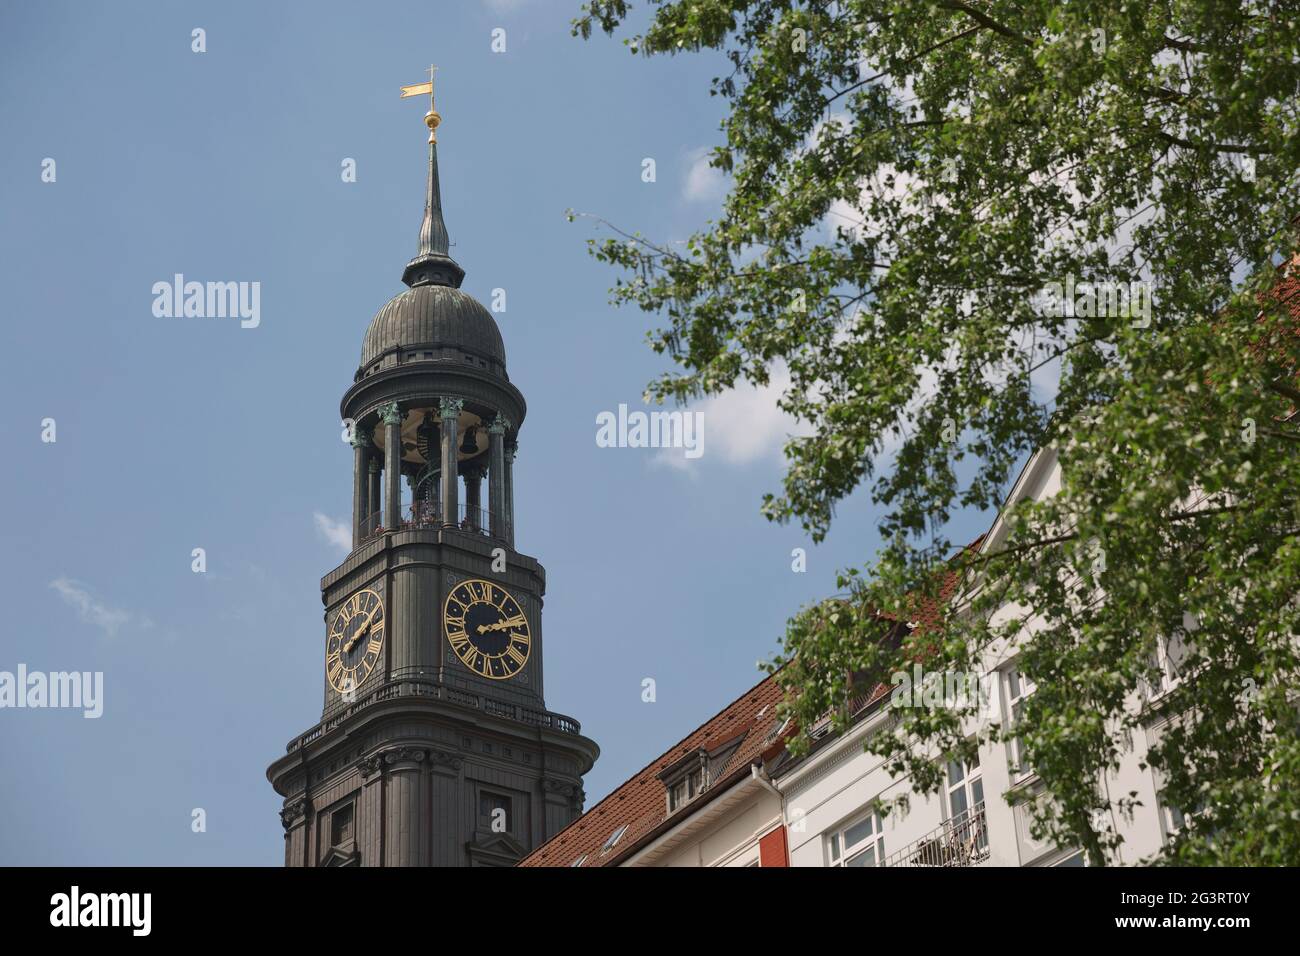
829,794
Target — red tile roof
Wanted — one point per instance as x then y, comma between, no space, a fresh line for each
1286,291
642,804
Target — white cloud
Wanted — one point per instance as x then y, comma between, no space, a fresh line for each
337,533
703,182
108,619
742,425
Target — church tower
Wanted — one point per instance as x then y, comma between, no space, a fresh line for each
435,747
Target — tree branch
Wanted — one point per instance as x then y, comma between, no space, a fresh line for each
984,19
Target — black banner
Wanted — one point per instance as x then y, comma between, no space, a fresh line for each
242,905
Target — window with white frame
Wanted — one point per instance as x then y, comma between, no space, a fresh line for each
965,793
685,789
1166,661
1175,819
965,788
861,843
1016,689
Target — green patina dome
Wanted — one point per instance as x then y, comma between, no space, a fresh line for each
441,320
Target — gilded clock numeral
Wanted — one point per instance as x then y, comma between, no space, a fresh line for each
374,645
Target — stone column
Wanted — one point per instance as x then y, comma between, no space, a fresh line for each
407,822
436,497
412,476
508,498
497,477
449,409
392,418
373,504
473,471
360,455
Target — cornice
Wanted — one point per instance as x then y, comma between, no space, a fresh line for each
423,384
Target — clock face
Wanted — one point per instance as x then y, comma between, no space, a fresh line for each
355,638
487,629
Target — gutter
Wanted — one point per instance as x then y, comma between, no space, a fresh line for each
735,787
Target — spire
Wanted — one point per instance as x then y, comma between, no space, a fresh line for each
432,265
433,231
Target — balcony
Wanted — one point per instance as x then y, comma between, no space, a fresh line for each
961,841
419,516
416,682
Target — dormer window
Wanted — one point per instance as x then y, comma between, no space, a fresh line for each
685,789
686,778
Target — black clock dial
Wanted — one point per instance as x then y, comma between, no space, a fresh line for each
487,629
355,641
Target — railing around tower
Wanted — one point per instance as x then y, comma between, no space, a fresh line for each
422,516
415,682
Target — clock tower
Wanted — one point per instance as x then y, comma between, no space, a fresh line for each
435,746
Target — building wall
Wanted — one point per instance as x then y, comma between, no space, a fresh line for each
834,787
732,840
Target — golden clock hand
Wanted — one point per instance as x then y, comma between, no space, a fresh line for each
360,633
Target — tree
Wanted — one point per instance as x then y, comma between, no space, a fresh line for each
975,228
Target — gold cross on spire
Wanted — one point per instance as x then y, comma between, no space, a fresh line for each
431,118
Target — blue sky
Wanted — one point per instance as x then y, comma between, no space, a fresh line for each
175,434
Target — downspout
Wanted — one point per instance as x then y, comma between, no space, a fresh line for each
758,773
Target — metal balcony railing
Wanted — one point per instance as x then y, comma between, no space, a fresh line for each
421,516
961,841
414,682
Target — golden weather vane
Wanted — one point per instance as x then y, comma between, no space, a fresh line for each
431,118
